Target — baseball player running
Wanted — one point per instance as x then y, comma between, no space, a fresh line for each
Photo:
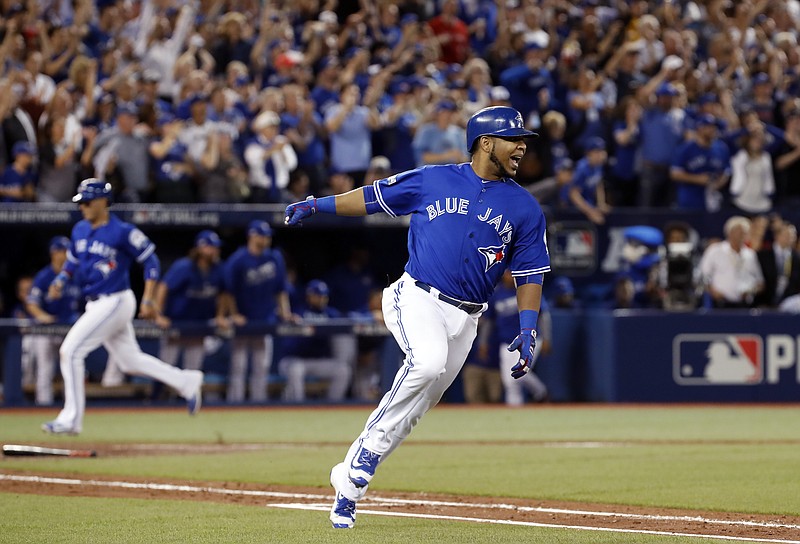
103,248
469,222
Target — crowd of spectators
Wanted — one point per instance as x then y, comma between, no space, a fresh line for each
692,104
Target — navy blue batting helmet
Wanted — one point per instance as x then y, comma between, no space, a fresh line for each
499,121
92,188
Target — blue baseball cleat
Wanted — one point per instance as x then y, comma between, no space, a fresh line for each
343,511
55,427
362,469
195,398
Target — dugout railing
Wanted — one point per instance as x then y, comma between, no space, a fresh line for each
12,332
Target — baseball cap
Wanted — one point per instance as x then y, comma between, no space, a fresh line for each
707,98
127,108
197,97
706,120
563,164
23,146
761,79
60,243
151,76
399,86
409,18
563,286
260,228
595,143
379,162
328,61
532,46
446,105
499,93
329,17
666,89
207,238
265,119
317,287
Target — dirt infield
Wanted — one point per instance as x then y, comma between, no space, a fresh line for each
739,527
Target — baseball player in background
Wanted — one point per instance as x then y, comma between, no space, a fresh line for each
256,290
331,359
103,248
191,290
46,311
469,223
503,314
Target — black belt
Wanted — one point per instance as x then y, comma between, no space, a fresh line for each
92,298
469,307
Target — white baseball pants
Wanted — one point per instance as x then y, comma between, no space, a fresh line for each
44,348
514,389
338,370
436,338
193,352
107,321
260,348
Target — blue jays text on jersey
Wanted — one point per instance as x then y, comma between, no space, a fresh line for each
192,292
254,281
466,231
101,257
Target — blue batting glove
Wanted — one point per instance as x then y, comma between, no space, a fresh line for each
524,343
298,211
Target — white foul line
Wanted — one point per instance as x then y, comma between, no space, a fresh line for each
325,508
381,500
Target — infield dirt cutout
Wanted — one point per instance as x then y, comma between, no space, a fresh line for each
587,516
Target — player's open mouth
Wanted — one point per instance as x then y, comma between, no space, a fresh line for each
515,160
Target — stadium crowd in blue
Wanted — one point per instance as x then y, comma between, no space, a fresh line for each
645,103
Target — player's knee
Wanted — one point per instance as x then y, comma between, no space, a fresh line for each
426,371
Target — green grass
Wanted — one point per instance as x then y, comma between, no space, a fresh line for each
76,520
725,458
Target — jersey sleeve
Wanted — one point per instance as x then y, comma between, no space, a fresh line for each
531,255
400,194
280,271
38,289
229,271
137,244
176,275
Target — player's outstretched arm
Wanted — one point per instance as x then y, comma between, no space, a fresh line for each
529,298
351,203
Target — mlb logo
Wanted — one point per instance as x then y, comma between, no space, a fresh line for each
717,359
573,247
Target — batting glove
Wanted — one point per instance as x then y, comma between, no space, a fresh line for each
524,343
295,213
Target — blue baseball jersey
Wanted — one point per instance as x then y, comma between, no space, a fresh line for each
191,292
466,231
696,159
11,179
254,281
320,347
64,308
101,257
505,315
586,178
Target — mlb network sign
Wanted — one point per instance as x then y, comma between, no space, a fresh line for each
733,359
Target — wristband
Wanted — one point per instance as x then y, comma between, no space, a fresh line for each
148,302
527,320
326,204
62,277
